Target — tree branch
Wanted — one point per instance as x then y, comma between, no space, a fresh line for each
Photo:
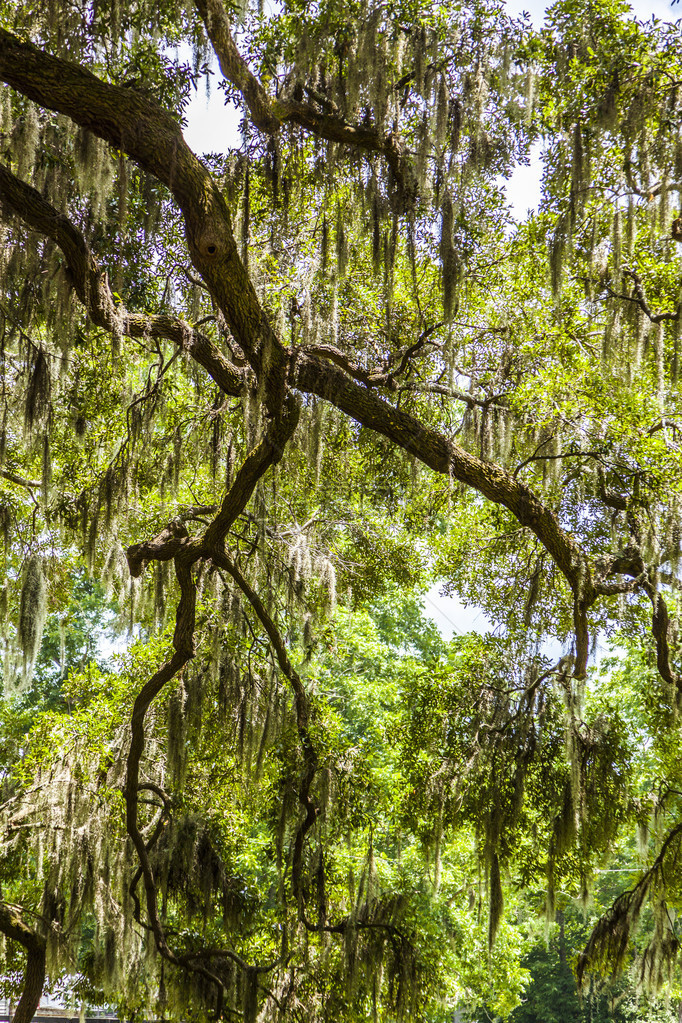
385,376
92,286
445,457
357,136
151,136
609,939
14,928
20,481
639,298
630,563
174,542
269,115
268,452
302,705
235,68
450,392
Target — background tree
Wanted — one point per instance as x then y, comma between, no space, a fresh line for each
317,367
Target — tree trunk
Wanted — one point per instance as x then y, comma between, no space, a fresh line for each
34,978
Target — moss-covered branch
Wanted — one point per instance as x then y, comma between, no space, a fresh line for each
269,115
13,926
175,543
92,286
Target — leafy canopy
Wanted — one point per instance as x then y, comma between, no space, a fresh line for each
252,403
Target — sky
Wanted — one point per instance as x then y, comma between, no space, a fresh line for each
643,9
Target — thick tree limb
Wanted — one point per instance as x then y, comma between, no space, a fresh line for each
165,546
14,928
621,585
443,456
123,117
151,136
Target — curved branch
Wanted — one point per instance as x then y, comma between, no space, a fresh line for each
302,705
174,542
660,621
268,452
609,939
368,377
443,456
92,286
384,376
269,115
234,67
336,129
150,135
13,927
631,564
639,299
446,391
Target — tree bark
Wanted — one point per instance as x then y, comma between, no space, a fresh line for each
14,928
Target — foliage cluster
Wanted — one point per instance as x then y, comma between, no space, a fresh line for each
253,404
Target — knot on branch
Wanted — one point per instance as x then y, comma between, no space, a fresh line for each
629,563
210,246
162,547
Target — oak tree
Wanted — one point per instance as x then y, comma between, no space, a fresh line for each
321,364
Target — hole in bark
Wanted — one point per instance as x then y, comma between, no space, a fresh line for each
209,244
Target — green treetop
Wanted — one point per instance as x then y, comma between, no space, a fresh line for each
311,370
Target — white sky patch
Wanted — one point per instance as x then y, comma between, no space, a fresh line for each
451,616
212,126
523,188
454,618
